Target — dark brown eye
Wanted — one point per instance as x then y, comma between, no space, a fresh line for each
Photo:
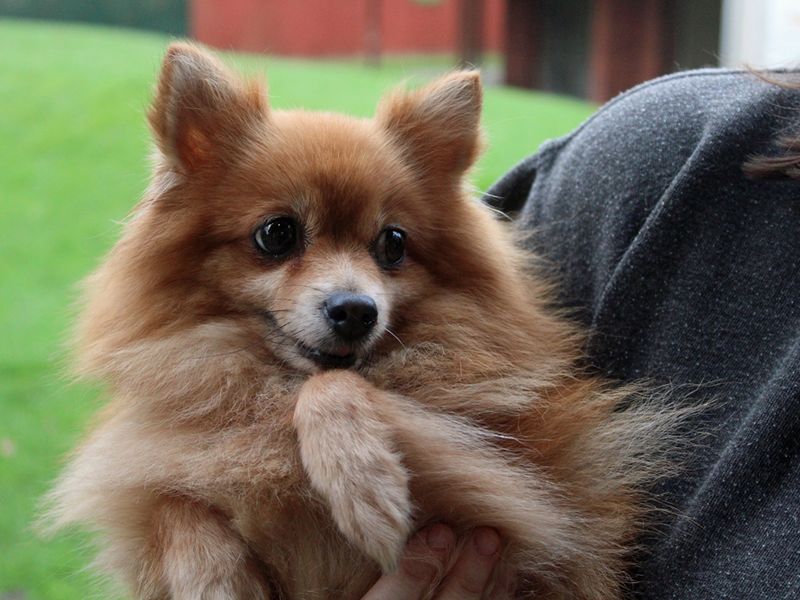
390,247
277,237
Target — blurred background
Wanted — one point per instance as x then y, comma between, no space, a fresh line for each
587,48
75,80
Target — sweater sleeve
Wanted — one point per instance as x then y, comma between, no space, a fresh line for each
688,274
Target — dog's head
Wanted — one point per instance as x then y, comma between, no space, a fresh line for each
313,236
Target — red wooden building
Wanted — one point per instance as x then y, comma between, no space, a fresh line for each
341,27
587,48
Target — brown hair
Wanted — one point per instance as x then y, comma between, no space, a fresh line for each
787,162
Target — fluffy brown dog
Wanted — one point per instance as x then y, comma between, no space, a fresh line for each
316,342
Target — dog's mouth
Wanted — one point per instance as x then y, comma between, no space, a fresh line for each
334,356
342,358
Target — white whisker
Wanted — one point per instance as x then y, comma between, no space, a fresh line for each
399,341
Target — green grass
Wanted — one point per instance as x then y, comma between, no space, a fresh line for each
72,161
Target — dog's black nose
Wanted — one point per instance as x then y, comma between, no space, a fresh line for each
352,316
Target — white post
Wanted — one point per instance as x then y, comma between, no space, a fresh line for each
760,33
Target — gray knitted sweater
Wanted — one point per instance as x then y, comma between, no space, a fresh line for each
688,272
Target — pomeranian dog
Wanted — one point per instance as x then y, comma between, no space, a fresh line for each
315,342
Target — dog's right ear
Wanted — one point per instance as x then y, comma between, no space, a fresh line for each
437,126
202,112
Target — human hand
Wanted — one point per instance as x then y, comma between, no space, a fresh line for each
429,551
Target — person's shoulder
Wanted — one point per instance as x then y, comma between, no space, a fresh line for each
646,134
709,90
683,105
707,98
704,85
663,121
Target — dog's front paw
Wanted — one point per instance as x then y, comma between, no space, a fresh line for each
350,459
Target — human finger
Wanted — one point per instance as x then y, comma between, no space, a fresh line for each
423,558
470,575
504,583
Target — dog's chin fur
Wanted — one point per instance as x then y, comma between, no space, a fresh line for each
230,465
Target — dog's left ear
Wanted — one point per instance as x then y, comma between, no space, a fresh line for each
203,113
437,126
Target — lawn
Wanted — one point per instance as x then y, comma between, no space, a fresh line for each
73,156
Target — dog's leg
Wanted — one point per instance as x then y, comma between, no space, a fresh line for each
350,458
197,556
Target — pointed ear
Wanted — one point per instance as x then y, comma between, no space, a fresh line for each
437,126
202,112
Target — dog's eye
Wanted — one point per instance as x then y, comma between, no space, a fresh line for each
390,247
277,237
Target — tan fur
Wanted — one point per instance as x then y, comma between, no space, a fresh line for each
227,466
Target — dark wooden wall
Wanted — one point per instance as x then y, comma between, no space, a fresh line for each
598,48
